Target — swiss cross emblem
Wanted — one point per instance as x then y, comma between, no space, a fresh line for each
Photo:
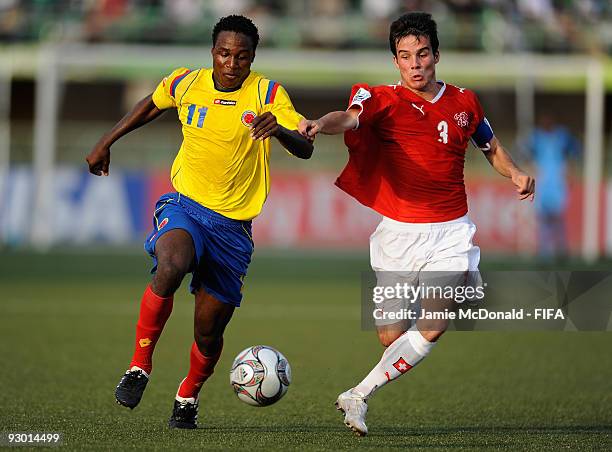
462,119
402,365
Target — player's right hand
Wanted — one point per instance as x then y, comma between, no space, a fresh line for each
525,185
99,160
309,128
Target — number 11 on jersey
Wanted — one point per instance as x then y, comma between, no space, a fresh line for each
202,114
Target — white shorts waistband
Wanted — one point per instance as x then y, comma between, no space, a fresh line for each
422,227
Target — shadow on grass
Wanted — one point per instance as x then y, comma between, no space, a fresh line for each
424,431
525,430
395,437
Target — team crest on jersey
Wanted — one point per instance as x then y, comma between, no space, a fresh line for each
225,102
462,119
247,117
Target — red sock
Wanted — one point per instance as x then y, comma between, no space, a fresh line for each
154,311
201,367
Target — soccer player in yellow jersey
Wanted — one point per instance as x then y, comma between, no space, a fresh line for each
221,177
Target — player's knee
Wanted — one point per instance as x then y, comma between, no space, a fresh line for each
175,265
175,255
166,280
171,269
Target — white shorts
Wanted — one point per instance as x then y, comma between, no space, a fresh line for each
408,252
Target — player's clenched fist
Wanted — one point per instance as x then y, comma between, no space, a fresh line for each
525,185
264,126
309,128
99,160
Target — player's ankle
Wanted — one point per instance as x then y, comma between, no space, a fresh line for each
146,370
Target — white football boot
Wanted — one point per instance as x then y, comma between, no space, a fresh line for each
355,407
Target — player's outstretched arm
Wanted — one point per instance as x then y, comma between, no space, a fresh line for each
143,112
265,126
332,123
501,160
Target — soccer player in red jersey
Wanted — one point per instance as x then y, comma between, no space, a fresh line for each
407,145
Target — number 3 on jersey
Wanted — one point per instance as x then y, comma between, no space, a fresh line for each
201,115
443,129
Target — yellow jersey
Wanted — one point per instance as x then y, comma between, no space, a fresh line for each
218,164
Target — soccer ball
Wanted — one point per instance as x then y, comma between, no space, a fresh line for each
260,375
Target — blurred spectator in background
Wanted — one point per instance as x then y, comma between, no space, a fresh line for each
470,25
184,12
101,15
551,146
11,18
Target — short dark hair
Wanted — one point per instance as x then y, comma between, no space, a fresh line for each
238,24
413,24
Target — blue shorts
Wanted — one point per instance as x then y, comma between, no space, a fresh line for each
223,247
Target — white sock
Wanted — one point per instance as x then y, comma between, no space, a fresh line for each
138,368
406,352
191,400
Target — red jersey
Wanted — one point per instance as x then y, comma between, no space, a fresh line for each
407,155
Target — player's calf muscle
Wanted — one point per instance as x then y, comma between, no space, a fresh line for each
387,335
432,335
211,318
208,344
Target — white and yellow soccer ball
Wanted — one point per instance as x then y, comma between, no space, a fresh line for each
260,375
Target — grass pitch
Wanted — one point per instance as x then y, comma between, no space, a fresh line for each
67,324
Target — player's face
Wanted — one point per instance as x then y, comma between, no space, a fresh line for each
416,62
232,57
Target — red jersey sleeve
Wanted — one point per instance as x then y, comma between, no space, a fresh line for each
369,101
